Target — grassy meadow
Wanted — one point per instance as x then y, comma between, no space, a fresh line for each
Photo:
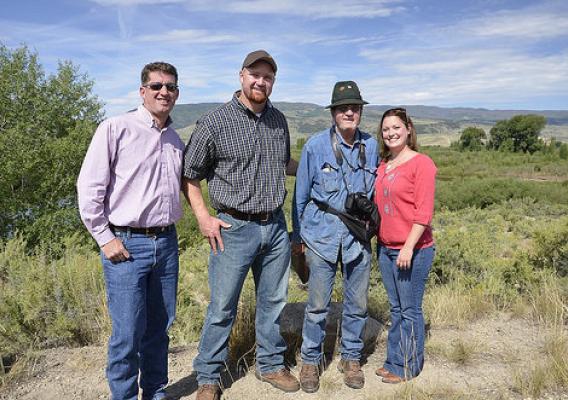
501,227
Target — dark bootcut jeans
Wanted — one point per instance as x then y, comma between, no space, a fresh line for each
264,247
141,295
405,290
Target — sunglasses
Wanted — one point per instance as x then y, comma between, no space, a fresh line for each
156,86
396,109
354,108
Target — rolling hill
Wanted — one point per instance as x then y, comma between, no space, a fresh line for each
306,118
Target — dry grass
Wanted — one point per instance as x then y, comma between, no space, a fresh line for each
454,305
550,373
549,303
26,366
242,342
411,391
460,351
530,382
330,384
556,350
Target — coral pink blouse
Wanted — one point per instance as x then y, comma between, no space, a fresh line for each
405,196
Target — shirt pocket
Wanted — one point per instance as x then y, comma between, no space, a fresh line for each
273,143
329,178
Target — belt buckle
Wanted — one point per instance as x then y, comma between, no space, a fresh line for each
266,218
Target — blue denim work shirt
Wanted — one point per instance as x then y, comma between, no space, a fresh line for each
320,177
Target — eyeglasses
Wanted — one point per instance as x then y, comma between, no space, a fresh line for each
355,108
156,86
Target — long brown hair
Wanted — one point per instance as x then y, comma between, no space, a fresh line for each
411,140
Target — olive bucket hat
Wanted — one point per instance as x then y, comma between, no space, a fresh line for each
346,92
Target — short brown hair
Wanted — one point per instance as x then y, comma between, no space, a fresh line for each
157,66
411,140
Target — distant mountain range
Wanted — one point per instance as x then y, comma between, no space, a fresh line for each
306,118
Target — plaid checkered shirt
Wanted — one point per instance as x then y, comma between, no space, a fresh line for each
243,157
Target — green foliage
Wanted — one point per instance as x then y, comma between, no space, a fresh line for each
475,192
518,134
479,179
47,301
499,234
563,151
487,248
472,138
551,247
45,127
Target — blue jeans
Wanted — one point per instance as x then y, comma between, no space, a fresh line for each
264,247
355,289
141,295
405,290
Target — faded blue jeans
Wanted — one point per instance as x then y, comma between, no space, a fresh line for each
355,289
405,290
264,247
141,295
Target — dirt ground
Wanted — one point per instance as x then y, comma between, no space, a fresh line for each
499,347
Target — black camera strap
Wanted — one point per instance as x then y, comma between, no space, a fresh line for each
339,157
362,230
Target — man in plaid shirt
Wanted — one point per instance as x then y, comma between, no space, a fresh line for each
242,149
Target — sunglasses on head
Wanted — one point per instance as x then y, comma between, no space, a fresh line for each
170,87
396,109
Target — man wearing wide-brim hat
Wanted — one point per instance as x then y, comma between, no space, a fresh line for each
337,165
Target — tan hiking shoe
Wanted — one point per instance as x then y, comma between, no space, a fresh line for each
309,378
282,380
208,392
382,372
353,375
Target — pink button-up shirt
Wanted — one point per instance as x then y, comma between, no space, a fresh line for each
131,175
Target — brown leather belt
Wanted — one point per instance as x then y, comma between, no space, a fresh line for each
261,217
154,230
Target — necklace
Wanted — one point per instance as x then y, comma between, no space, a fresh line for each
399,159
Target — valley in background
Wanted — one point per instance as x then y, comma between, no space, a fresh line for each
434,125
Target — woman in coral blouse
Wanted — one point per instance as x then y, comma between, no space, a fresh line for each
405,188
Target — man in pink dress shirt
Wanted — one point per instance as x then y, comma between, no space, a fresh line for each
129,200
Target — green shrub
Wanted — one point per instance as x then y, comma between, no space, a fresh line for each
46,302
483,192
550,247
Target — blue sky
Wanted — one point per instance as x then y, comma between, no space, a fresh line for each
497,54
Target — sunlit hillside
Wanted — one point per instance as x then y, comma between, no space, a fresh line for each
436,125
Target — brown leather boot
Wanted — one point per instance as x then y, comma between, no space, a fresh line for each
281,379
208,392
309,378
392,378
353,375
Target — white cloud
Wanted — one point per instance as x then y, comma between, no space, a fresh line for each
496,60
126,3
302,8
132,97
479,76
520,24
190,36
